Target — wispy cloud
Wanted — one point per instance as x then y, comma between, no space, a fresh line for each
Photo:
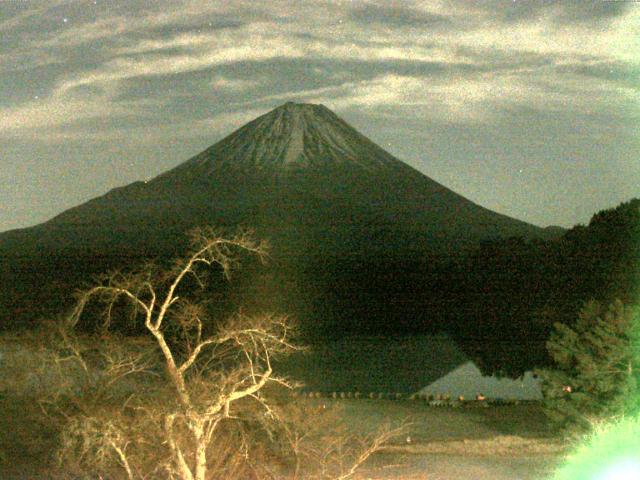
481,56
477,98
398,15
48,113
202,51
200,57
220,82
25,13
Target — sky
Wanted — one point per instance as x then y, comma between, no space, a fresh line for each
529,108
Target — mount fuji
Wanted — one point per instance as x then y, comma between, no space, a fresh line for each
352,228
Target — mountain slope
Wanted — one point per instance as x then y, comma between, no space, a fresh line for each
297,163
329,200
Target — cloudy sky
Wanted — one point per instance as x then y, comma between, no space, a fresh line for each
530,108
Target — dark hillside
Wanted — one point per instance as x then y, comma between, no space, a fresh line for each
513,290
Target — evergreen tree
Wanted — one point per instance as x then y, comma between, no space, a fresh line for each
597,367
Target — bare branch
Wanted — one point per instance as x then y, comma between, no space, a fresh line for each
210,249
194,355
111,294
183,468
381,438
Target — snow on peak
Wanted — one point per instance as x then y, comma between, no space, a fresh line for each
294,135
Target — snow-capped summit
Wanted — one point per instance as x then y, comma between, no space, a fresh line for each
293,135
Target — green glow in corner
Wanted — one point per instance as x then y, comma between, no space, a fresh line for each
611,452
627,470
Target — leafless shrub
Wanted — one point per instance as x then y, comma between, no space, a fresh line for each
321,444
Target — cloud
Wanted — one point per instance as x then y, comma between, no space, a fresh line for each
305,94
221,82
152,134
23,14
606,71
477,98
46,113
111,27
63,116
459,100
194,52
452,100
120,21
203,52
396,15
374,54
564,12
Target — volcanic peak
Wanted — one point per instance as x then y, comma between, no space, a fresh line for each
292,136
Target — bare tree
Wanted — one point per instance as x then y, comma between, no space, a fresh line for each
208,373
189,399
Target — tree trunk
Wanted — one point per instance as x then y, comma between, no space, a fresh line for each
201,453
